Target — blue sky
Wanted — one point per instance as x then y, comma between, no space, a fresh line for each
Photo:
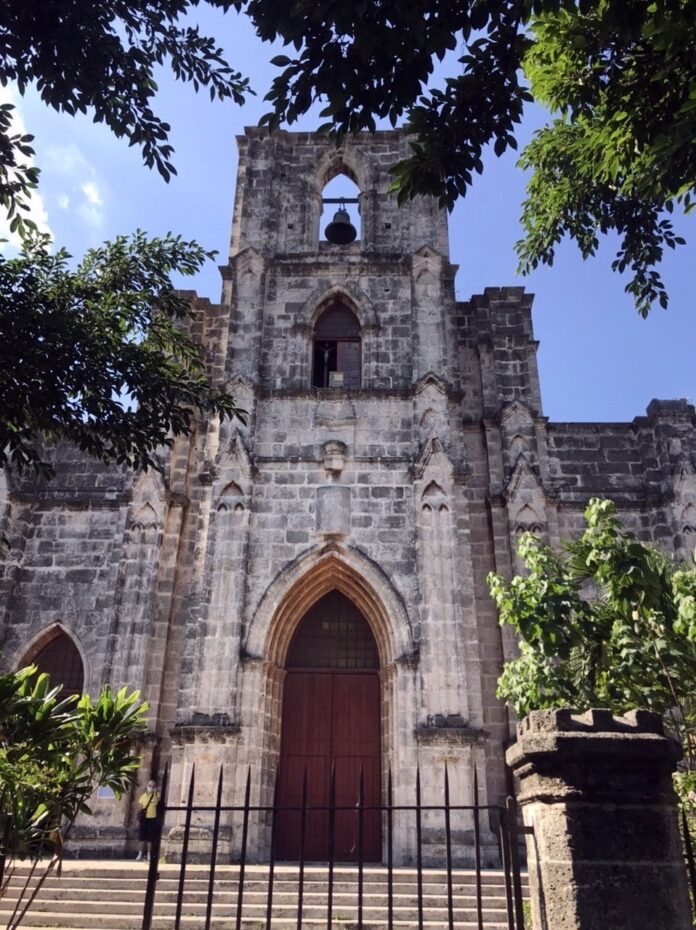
598,360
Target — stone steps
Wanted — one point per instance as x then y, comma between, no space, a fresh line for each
104,896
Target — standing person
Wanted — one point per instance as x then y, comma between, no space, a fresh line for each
147,813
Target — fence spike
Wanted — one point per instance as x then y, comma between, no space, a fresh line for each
419,848
390,851
184,849
271,863
331,843
477,854
242,859
213,852
303,828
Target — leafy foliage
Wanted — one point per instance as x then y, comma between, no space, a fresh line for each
620,157
620,75
609,622
100,355
101,59
53,754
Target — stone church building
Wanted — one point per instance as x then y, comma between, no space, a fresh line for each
308,587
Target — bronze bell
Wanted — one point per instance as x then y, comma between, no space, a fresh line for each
341,231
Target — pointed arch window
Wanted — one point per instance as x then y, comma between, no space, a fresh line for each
337,349
340,192
59,658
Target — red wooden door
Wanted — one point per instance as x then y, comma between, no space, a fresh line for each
355,745
330,717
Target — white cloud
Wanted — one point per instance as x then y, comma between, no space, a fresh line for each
90,214
86,196
91,192
66,160
37,208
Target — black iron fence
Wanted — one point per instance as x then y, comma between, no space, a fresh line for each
483,895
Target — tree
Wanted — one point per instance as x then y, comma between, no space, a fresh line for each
54,753
607,622
620,75
100,356
101,59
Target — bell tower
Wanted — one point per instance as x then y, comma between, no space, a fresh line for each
394,278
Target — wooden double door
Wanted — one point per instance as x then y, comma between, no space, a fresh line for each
330,717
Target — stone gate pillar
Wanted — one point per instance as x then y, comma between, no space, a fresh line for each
604,849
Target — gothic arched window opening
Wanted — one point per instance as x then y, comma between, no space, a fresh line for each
59,658
337,349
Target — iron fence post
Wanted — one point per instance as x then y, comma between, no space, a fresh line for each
448,851
303,828
477,854
155,845
213,853
507,866
419,849
242,859
361,804
390,854
511,809
184,850
271,862
331,841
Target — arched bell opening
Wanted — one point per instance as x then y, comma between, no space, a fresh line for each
339,223
331,735
56,655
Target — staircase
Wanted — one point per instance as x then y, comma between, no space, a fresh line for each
110,896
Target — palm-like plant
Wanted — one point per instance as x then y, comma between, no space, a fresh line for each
54,753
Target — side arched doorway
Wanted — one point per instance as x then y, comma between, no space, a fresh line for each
331,717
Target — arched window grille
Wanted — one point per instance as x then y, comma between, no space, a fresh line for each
337,349
60,659
333,634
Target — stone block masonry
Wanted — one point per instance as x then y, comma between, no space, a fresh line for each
604,849
401,493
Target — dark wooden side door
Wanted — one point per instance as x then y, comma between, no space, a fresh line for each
330,717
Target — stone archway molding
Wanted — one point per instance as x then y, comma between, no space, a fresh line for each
348,160
356,299
302,583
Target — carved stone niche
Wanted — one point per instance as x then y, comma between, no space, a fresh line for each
334,456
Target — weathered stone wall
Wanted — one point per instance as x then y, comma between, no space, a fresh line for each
403,493
603,844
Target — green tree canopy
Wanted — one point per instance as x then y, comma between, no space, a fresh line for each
607,622
618,75
101,355
100,59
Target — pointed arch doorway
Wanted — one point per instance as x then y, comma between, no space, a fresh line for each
331,717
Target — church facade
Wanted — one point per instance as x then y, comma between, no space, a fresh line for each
307,589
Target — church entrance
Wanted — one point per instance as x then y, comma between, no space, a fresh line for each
331,717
